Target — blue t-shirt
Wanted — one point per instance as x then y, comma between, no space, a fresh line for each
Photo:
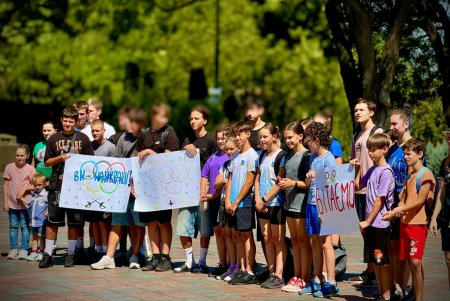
239,168
327,160
38,206
268,178
335,148
396,160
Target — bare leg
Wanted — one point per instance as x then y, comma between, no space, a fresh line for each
329,257
247,239
417,276
268,242
166,237
221,245
113,241
293,224
278,238
317,256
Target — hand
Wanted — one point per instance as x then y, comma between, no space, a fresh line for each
433,227
363,225
133,193
260,206
221,179
6,207
64,157
227,204
311,174
46,213
191,149
285,183
355,162
233,208
390,215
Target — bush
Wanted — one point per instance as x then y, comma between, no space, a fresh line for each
435,154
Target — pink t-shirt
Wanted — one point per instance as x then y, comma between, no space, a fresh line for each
18,178
360,152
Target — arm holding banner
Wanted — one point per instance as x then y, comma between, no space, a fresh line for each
56,160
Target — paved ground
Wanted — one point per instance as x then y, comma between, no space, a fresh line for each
21,280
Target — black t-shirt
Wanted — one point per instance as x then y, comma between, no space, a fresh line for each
254,138
58,144
153,140
115,137
206,145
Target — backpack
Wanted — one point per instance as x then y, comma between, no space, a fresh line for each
340,255
276,163
164,135
428,207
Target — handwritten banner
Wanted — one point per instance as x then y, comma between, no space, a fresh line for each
166,181
335,197
96,183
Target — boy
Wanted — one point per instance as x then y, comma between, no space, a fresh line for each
254,109
125,148
239,203
415,197
82,124
95,110
124,124
364,111
101,221
159,138
60,146
380,184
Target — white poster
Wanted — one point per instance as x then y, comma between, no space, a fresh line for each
96,183
166,181
335,197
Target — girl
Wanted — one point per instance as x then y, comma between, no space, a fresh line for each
48,129
269,204
296,166
16,176
223,217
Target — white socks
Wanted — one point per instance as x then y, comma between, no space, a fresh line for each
99,248
49,246
105,248
203,253
189,257
71,246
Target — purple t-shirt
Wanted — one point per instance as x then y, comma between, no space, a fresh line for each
211,168
380,182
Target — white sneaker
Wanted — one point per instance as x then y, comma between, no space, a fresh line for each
12,254
134,262
22,255
104,263
39,256
32,257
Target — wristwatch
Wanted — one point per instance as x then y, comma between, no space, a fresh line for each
295,183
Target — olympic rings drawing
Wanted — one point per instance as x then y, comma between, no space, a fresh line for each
169,180
330,177
101,166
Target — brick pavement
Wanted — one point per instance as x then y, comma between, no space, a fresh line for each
21,280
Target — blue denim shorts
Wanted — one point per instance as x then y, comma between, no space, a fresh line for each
188,221
125,218
312,220
40,231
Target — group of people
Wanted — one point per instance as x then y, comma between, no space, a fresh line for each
245,173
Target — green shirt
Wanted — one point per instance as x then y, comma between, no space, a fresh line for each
38,154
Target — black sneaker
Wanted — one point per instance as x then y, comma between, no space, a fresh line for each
152,263
121,260
360,278
370,282
247,278
164,264
46,261
219,270
200,269
237,276
70,261
268,280
275,282
80,256
263,276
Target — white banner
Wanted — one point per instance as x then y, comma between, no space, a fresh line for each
335,197
96,183
166,181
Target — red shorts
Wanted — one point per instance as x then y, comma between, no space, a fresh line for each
412,241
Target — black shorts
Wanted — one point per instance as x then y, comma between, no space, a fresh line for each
445,236
244,219
223,218
360,200
162,216
213,208
57,215
395,228
376,245
97,216
275,215
294,214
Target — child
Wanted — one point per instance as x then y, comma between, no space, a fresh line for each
100,221
48,129
37,209
239,203
380,184
225,219
159,138
82,124
335,147
296,167
16,176
95,110
188,219
414,198
269,204
209,194
59,147
124,149
318,141
254,109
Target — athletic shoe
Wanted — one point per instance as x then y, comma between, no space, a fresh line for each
33,256
22,255
275,282
12,254
226,274
236,274
134,262
247,278
164,264
46,261
152,263
104,263
327,290
370,282
182,269
310,288
294,285
70,261
360,278
39,256
218,270
268,280
263,276
200,269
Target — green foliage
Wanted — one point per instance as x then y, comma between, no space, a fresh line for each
428,121
435,154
